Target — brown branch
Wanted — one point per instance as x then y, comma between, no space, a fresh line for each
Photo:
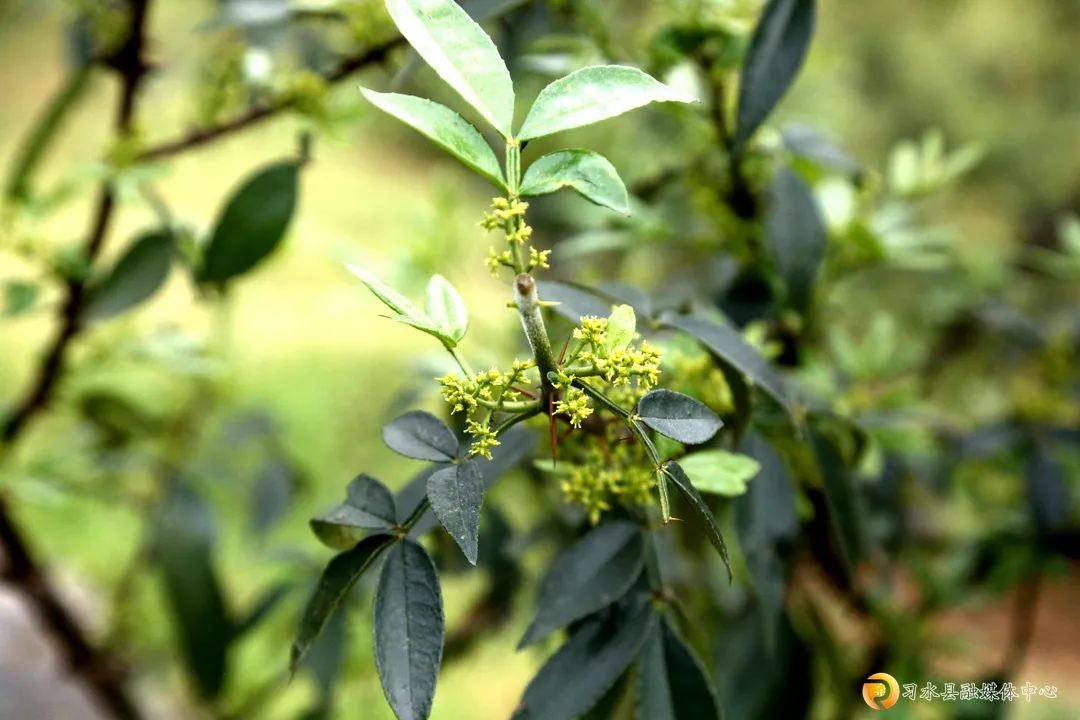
102,675
345,67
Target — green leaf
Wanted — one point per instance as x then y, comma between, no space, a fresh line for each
409,630
337,579
444,127
593,94
1048,491
591,574
588,173
420,435
253,222
185,537
672,683
766,514
840,496
776,51
19,297
678,416
404,310
795,235
137,275
719,471
461,53
456,494
700,508
587,665
368,506
621,328
727,344
446,308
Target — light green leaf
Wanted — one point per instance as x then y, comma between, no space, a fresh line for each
584,171
720,472
390,297
445,127
446,308
621,328
593,94
404,311
461,53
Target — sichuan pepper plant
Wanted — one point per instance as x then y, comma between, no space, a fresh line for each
598,397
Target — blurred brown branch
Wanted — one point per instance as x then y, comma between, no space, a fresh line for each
95,667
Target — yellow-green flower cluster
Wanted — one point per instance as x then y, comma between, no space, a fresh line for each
483,394
575,405
603,476
508,215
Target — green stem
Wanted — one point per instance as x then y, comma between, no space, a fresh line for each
458,359
528,305
44,129
510,406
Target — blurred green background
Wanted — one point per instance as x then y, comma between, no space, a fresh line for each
305,353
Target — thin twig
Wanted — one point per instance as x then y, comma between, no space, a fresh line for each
95,667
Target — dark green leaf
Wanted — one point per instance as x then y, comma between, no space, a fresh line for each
587,665
456,494
573,302
843,503
409,630
421,435
587,172
271,494
796,236
461,53
1048,492
368,506
700,508
137,275
766,514
337,579
678,416
589,575
183,550
514,445
593,94
726,343
776,51
672,683
444,127
253,222
19,297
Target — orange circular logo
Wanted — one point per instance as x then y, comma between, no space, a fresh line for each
881,691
